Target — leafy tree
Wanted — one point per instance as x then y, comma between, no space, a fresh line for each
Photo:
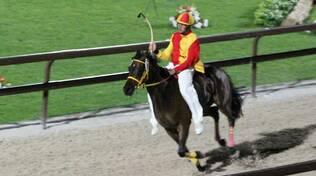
272,12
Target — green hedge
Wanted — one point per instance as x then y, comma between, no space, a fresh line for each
272,12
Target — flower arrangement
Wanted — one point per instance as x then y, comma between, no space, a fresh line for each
272,12
199,22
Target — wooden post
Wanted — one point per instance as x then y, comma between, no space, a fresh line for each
254,67
45,94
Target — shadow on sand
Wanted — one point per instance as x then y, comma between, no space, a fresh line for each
254,151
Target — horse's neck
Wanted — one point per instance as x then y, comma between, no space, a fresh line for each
158,76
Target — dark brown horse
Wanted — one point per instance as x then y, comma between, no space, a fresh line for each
170,109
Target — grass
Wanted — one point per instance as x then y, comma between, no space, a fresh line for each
40,26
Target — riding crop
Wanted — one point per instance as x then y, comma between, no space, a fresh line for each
150,28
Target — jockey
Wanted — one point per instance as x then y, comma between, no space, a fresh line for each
183,51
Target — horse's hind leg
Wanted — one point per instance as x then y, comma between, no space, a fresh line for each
231,120
215,114
231,141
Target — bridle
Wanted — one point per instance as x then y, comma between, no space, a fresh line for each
145,76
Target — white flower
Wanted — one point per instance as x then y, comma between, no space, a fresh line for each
205,23
196,18
198,25
173,21
195,13
172,18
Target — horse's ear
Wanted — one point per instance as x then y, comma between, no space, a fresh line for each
138,53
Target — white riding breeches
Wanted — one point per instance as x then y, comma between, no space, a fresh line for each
188,92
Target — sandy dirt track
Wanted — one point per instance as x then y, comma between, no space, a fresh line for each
278,127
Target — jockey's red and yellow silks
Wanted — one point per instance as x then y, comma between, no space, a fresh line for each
184,52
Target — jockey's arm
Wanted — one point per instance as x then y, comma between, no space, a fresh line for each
166,53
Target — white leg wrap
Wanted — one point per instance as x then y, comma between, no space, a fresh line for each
152,120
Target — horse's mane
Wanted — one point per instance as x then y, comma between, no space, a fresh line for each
163,72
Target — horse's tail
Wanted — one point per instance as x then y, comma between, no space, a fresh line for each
225,94
236,103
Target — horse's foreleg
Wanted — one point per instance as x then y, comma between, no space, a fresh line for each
183,131
179,136
183,150
194,158
231,140
173,133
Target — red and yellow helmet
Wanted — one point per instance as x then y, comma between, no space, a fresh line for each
185,18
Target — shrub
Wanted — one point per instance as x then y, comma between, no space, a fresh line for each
272,12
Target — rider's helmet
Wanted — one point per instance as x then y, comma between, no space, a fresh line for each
185,18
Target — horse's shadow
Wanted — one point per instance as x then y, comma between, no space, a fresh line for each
271,143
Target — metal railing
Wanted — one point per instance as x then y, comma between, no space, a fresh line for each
50,57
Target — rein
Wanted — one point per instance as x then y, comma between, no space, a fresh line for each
145,75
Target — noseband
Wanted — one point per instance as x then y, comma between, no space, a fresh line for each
145,76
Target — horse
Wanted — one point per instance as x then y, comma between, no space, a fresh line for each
171,110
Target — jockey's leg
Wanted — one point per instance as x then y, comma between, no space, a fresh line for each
185,79
153,119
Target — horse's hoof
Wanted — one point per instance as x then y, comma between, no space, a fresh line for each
199,155
201,168
233,153
222,142
182,152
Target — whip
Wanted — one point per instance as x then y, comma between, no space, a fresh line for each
150,28
151,38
